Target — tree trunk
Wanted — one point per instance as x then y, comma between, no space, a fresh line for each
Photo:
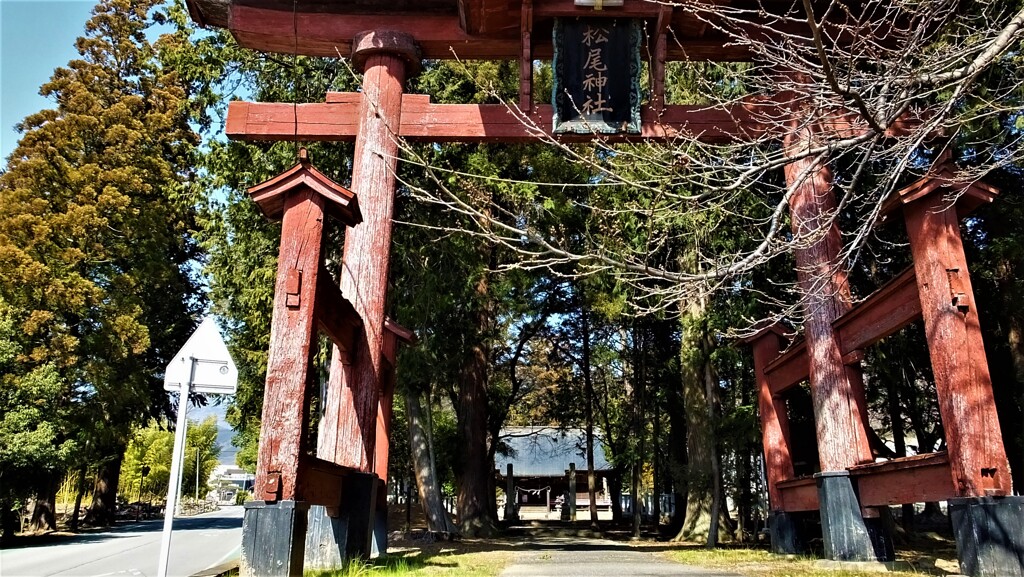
103,511
474,508
703,495
746,525
44,510
677,456
79,493
422,450
8,522
615,490
588,386
656,468
639,429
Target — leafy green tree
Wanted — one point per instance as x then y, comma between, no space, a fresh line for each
95,240
153,447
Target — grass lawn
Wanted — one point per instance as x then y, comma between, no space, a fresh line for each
487,558
471,558
761,563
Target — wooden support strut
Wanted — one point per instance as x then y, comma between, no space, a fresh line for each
394,334
302,197
526,58
658,60
774,420
977,459
292,330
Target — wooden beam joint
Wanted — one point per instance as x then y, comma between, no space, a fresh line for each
526,58
336,316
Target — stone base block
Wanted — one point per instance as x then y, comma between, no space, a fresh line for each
847,535
273,539
989,535
785,533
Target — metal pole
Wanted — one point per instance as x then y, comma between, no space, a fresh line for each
197,472
172,488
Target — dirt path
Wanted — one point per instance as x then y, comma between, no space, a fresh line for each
577,557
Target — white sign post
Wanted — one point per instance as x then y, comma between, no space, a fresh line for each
203,365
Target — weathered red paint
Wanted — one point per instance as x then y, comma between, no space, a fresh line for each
788,369
341,203
840,411
303,197
916,479
977,460
394,334
441,35
885,311
321,482
292,329
351,407
774,420
799,494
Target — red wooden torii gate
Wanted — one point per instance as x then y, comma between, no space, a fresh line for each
386,41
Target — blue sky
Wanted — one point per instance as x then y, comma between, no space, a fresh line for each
36,36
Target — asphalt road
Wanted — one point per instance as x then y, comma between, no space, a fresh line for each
197,543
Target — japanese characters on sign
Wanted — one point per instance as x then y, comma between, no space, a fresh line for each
597,71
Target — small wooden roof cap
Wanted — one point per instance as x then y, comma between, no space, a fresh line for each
970,194
341,204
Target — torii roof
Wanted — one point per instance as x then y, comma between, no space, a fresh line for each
473,29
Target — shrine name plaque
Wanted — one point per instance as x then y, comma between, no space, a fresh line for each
597,75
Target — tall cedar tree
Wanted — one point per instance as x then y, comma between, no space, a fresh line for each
95,253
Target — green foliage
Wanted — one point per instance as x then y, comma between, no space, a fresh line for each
153,447
95,245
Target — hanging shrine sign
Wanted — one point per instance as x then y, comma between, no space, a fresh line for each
597,75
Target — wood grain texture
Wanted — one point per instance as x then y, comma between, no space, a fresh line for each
963,384
917,479
336,317
799,494
788,369
423,121
774,420
292,330
322,482
338,120
885,311
354,390
840,411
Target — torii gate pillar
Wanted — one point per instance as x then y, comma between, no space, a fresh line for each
359,390
837,388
